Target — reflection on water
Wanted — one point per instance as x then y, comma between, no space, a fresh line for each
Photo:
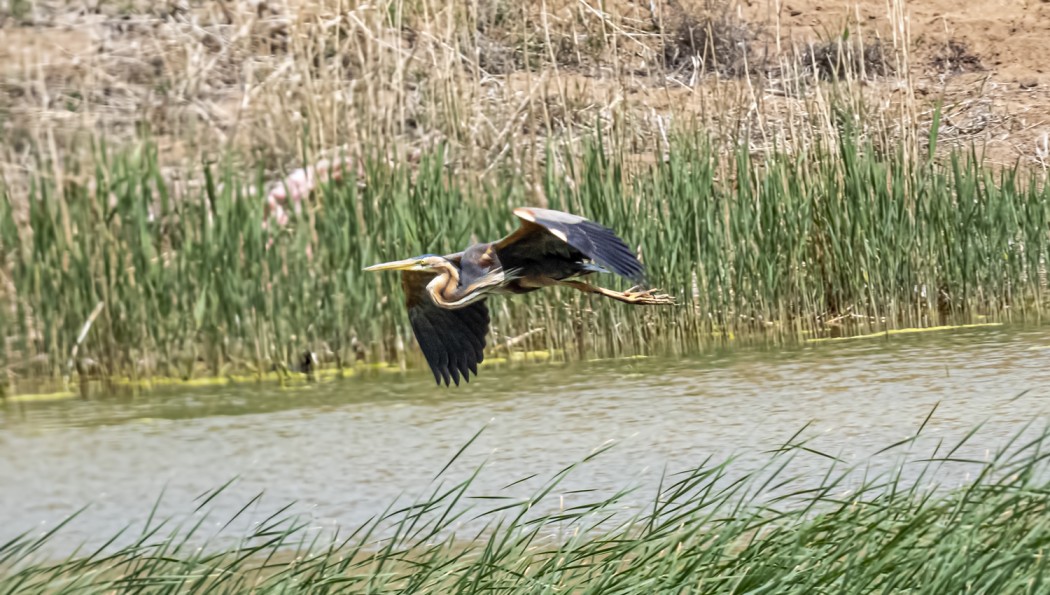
344,450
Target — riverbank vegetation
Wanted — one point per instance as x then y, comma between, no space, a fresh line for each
794,245
779,190
712,528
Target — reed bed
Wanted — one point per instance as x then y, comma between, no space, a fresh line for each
809,205
707,530
134,275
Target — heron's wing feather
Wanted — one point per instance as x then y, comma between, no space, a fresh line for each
544,231
452,341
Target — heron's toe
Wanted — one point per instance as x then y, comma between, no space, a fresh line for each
649,297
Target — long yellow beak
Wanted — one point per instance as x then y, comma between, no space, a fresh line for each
397,265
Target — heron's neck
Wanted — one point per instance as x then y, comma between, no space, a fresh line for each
445,291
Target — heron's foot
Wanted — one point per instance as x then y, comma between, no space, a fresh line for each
647,297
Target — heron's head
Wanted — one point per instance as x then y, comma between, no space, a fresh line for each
427,262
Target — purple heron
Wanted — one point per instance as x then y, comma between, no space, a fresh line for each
445,295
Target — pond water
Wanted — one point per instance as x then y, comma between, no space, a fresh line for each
344,450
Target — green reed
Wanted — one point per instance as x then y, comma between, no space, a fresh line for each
839,237
710,529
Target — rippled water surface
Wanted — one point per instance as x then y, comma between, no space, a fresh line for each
344,450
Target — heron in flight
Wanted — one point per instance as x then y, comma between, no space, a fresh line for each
445,295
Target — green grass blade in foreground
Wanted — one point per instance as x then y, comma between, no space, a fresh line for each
716,526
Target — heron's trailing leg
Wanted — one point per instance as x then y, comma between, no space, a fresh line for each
649,297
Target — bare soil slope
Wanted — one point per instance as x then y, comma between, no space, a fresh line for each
249,73
987,60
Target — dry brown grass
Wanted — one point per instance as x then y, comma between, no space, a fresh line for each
276,82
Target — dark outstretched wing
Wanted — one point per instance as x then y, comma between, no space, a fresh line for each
453,341
544,231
